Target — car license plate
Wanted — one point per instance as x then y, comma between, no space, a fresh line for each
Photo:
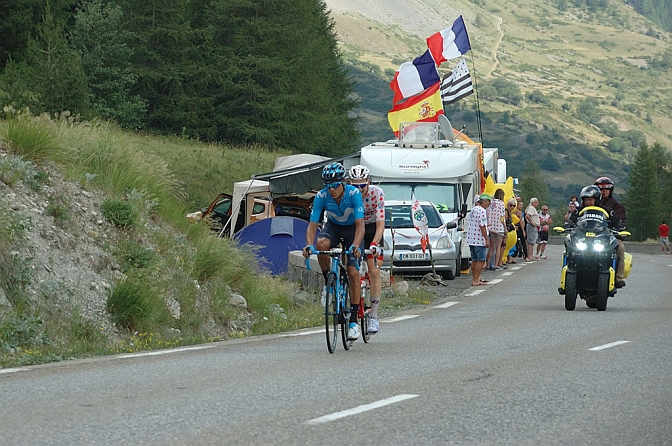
414,256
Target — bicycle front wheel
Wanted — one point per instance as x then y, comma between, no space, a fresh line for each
364,321
331,313
345,311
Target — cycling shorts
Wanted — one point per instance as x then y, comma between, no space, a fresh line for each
337,232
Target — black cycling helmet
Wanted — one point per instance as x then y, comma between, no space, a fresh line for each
333,173
591,192
604,183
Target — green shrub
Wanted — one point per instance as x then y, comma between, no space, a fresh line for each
14,169
134,305
133,255
30,138
119,212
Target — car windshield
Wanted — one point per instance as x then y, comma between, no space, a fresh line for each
399,216
444,196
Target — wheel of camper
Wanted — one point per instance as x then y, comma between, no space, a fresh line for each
602,292
331,316
570,291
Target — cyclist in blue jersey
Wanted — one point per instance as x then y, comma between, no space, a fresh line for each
344,213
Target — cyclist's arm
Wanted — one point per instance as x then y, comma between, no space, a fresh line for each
310,233
359,232
380,230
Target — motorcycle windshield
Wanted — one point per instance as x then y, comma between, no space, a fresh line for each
593,222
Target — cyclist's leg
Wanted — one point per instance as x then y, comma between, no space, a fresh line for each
326,239
374,271
347,233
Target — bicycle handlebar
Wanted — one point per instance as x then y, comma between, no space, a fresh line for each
336,252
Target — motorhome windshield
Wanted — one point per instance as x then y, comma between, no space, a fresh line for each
444,196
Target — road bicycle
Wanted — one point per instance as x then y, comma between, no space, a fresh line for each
337,300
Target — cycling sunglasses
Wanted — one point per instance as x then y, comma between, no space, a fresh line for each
360,185
333,185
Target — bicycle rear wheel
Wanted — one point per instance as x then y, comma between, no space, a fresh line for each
345,311
331,313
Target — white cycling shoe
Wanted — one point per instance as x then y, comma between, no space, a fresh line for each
353,331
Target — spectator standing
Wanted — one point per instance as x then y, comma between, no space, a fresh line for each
572,215
521,246
511,223
545,221
477,238
664,231
496,214
532,227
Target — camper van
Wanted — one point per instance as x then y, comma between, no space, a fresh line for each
437,164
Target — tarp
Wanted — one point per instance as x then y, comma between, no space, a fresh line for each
250,188
273,239
302,178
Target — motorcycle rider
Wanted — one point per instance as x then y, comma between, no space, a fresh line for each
590,196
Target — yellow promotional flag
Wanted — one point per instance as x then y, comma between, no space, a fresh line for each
422,107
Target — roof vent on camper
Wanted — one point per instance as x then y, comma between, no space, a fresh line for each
419,135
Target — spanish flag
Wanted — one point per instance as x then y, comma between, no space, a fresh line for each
422,107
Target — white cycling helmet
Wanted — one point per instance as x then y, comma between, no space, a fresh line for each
359,172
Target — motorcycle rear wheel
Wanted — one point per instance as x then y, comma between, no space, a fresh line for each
570,291
602,292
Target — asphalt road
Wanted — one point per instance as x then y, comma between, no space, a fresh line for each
502,364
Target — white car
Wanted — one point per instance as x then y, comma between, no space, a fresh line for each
401,242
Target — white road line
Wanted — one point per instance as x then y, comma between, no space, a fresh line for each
494,281
446,305
360,409
515,268
164,352
475,293
303,333
2,371
401,318
508,273
613,344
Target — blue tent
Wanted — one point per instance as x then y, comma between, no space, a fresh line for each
273,238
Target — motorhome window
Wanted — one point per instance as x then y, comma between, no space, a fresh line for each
444,196
258,208
399,216
223,207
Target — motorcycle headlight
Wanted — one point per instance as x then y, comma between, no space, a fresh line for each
581,245
599,247
443,243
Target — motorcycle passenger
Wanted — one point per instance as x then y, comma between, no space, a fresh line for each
590,196
344,212
616,210
374,227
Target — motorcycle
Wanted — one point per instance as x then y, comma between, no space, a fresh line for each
590,259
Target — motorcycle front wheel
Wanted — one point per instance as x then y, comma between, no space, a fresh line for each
570,291
602,292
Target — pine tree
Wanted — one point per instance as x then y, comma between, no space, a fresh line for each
642,208
101,42
533,184
55,71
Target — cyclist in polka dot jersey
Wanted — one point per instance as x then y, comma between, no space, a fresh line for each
374,226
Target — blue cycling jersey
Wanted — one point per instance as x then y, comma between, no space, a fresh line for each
344,213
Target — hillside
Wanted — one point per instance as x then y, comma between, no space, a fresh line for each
592,83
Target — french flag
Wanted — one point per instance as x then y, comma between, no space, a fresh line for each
449,43
414,77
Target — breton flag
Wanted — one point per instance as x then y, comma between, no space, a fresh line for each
423,107
419,221
456,84
414,77
449,43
